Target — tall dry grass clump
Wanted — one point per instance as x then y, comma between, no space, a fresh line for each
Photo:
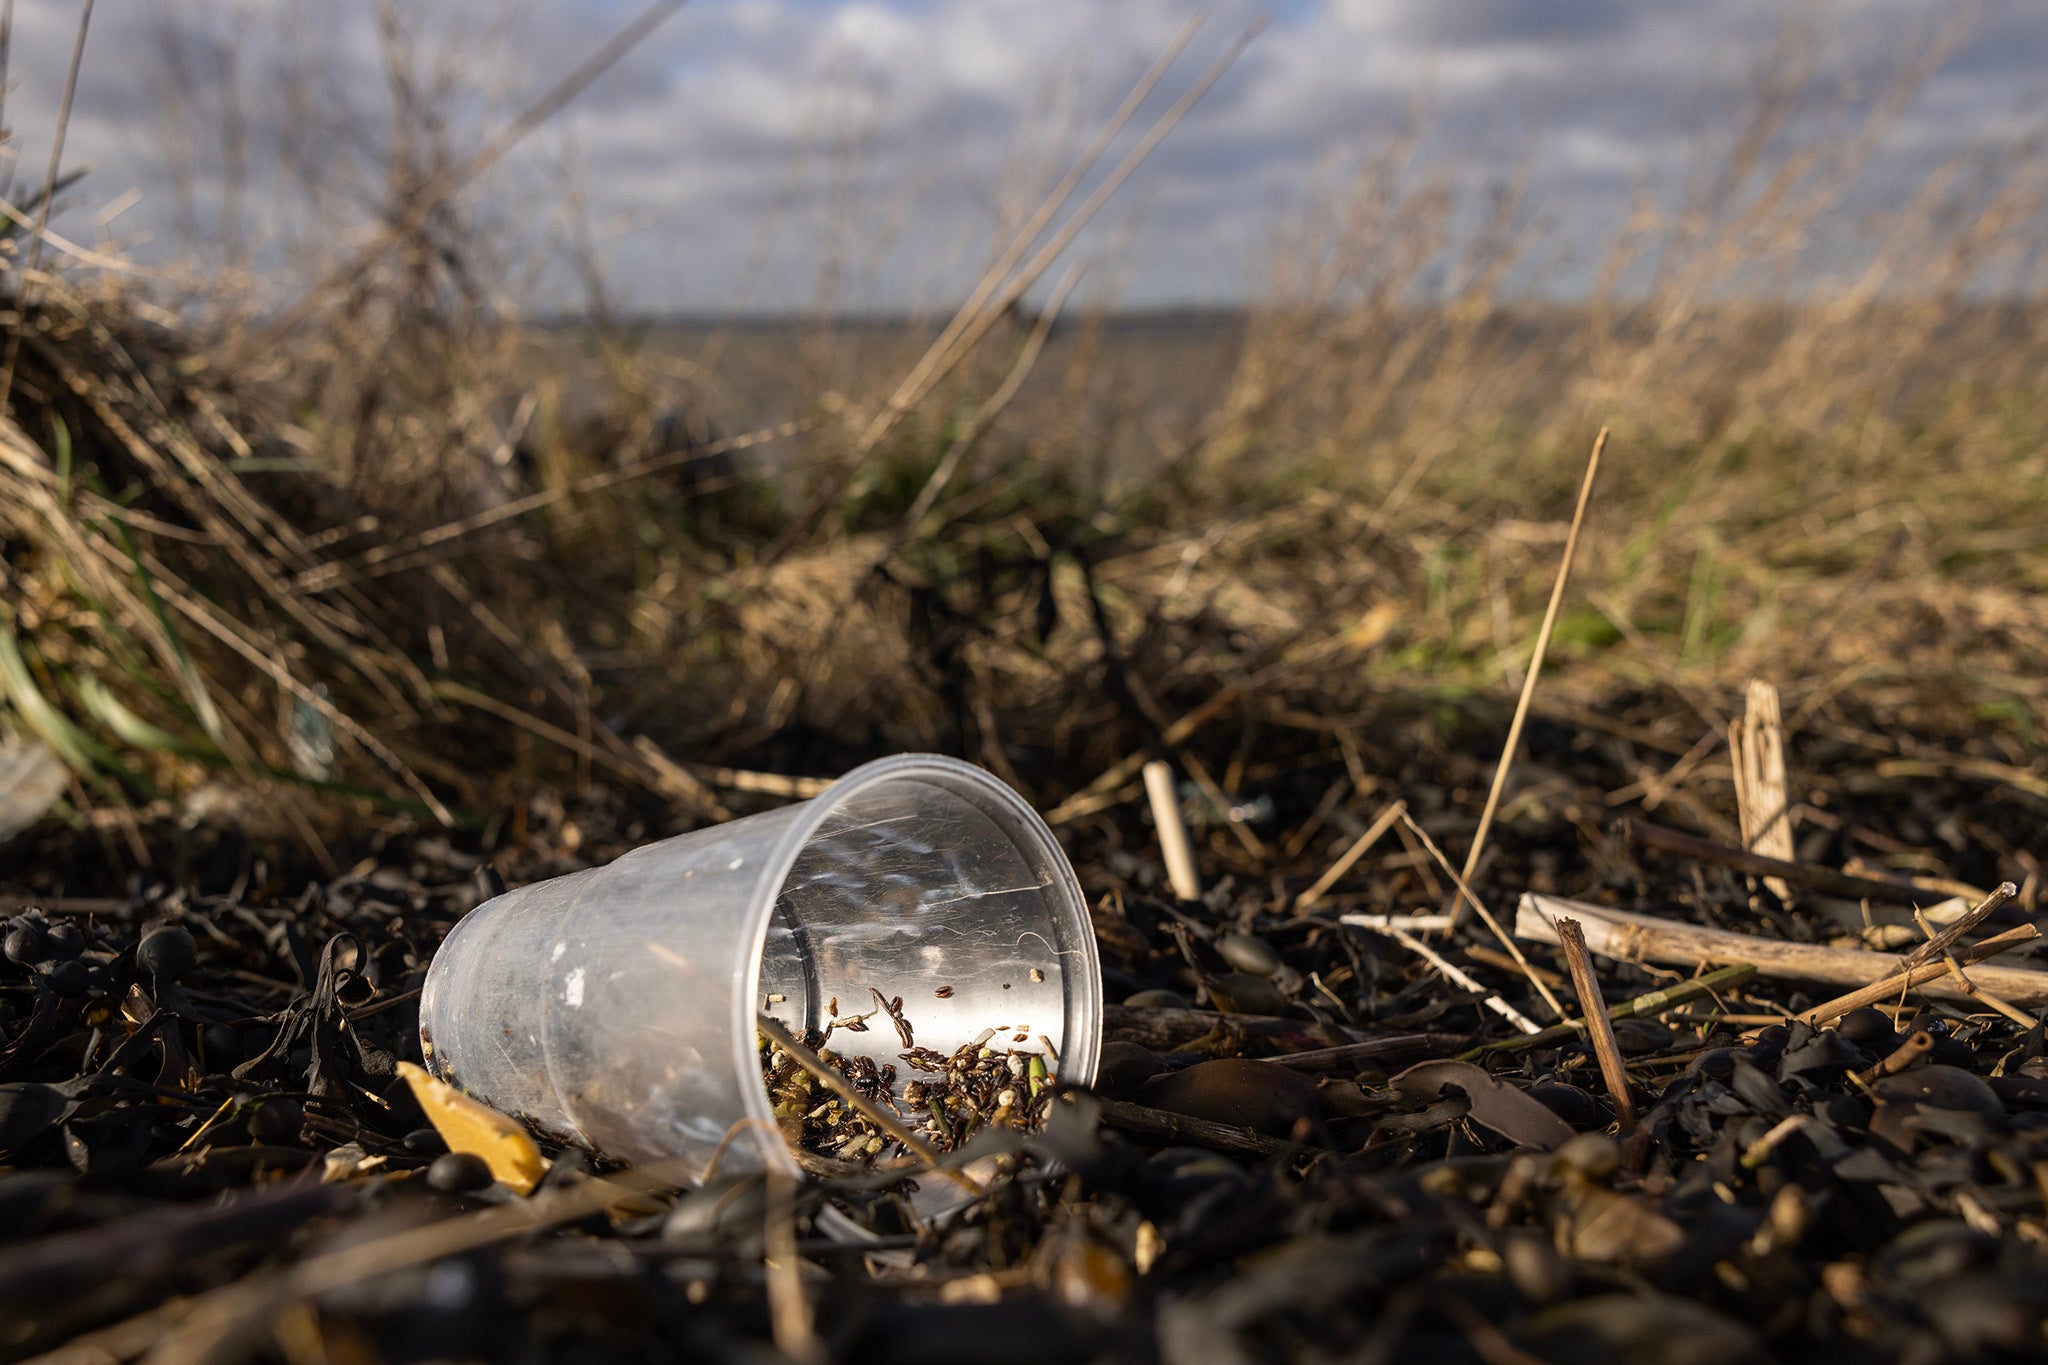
370,546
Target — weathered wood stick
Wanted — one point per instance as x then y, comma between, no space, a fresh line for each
1217,1137
1756,864
1645,938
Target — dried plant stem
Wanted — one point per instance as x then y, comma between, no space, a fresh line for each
1173,833
1465,890
1601,1028
830,1078
977,426
50,178
431,197
789,1308
1756,745
1756,864
1360,846
1507,756
1651,1003
1940,943
1923,974
1460,978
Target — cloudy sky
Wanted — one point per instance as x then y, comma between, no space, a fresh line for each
765,154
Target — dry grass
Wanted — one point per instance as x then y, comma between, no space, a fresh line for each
382,559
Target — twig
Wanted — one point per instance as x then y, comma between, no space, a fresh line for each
1971,989
1374,832
866,1108
1645,938
1612,1069
1459,978
1465,890
1217,1137
1939,943
1173,834
1415,924
1507,756
1651,1003
1930,972
1824,879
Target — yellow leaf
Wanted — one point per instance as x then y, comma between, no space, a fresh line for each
470,1125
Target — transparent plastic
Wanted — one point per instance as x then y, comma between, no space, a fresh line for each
615,1008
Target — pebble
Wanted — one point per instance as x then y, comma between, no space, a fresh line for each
1868,1028
424,1142
167,953
1568,1102
1248,953
276,1122
27,944
459,1173
1243,993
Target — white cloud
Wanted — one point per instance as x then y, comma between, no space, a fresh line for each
793,128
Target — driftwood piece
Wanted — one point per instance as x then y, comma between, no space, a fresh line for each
1645,938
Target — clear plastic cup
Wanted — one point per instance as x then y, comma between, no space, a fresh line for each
615,1008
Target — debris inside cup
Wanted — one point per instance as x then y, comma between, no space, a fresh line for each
945,1101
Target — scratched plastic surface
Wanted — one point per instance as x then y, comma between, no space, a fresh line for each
615,1008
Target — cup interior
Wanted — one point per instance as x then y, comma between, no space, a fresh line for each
935,886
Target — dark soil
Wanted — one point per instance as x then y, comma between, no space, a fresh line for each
208,1154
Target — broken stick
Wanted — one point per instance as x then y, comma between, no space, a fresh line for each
1612,1069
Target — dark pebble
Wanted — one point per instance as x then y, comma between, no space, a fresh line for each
1243,993
458,1173
1248,953
223,1045
1568,1102
65,939
1124,1067
276,1122
27,944
424,1142
70,978
1239,1092
167,953
1869,1028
